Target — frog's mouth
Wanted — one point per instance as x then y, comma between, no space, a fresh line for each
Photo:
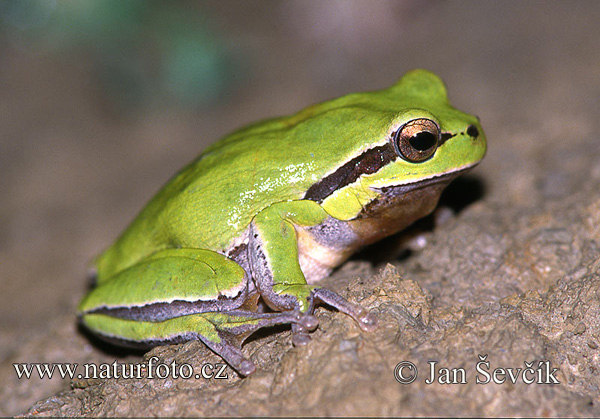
441,180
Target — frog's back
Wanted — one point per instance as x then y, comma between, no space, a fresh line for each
211,202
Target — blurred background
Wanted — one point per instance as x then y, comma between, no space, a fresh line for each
102,101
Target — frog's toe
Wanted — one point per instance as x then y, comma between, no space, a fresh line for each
300,338
367,321
246,367
308,322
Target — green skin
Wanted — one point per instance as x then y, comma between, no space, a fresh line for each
268,211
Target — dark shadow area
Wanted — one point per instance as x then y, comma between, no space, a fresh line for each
462,192
263,332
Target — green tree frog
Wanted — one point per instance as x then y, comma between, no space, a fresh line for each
239,239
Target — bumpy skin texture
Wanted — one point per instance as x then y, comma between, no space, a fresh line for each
272,207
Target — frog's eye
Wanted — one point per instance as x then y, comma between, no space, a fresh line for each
417,140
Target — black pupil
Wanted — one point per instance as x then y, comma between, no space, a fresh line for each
423,141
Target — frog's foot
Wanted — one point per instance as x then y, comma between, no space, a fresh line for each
307,323
366,321
234,327
229,348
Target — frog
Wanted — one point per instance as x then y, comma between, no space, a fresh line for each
240,238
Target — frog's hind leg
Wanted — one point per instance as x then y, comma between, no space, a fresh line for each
222,332
170,283
176,295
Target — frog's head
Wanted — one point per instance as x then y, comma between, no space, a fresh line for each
416,141
429,137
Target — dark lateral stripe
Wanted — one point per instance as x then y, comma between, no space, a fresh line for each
368,162
157,312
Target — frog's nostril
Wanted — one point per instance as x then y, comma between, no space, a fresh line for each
472,131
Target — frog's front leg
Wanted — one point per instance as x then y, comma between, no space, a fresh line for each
291,242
